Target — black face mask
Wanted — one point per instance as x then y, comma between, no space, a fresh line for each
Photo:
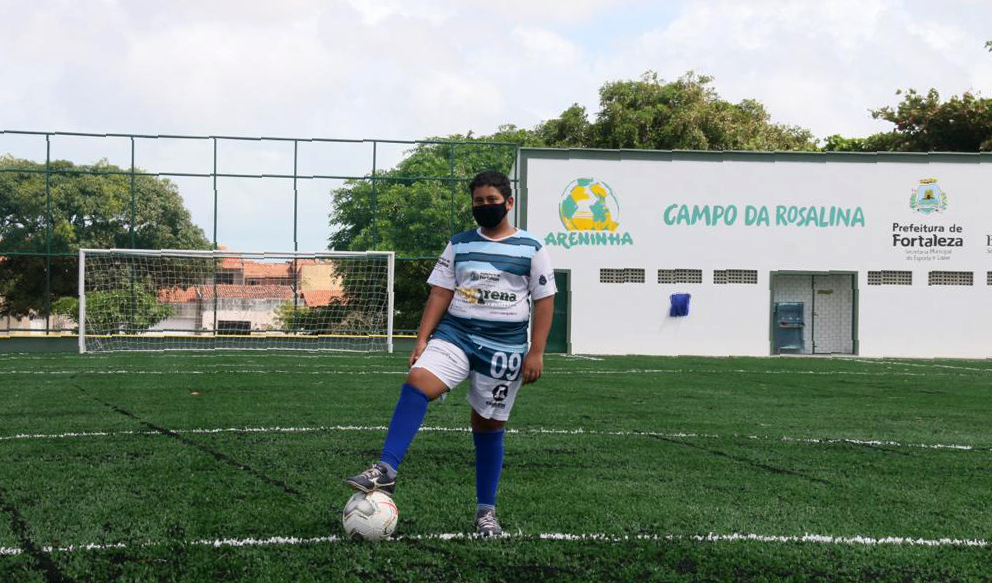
489,215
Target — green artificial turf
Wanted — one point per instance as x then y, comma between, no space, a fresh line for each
643,455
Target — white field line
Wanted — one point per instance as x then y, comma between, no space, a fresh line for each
523,432
918,364
361,372
230,354
552,536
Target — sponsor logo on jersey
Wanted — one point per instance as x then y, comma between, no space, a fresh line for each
482,297
484,276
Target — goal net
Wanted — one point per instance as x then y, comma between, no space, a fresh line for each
136,299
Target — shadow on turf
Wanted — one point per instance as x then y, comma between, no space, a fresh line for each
43,561
219,456
743,460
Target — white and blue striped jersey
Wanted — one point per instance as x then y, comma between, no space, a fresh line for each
493,281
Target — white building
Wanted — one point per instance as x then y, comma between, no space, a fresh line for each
888,254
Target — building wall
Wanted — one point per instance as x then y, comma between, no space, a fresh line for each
734,319
319,276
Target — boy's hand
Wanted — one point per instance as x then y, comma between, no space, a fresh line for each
418,348
533,367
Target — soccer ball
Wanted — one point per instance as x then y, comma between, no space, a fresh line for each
371,516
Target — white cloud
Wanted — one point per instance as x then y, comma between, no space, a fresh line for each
820,65
558,11
416,68
545,47
374,12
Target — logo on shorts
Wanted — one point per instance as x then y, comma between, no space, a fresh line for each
499,392
543,280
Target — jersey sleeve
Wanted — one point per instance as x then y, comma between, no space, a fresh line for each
444,270
542,275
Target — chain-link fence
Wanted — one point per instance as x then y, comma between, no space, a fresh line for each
181,191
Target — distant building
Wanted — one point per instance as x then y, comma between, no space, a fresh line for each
870,254
248,296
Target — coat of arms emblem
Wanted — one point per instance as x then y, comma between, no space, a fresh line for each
928,197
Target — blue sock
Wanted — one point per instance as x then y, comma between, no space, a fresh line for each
488,463
407,417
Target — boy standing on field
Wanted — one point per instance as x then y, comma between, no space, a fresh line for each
475,326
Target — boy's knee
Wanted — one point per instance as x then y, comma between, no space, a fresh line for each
426,382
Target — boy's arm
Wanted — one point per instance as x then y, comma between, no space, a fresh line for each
437,305
534,362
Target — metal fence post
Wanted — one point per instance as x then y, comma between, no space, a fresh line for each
375,227
451,186
214,255
131,227
296,245
214,174
48,233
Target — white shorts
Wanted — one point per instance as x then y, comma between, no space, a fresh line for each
491,398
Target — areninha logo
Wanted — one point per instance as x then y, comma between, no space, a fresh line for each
928,197
590,212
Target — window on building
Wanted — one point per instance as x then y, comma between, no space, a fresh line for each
680,276
738,276
621,275
951,278
890,278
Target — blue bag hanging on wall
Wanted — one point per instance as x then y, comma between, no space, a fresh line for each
680,305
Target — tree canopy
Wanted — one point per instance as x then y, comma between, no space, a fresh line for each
415,217
683,114
924,123
417,207
87,210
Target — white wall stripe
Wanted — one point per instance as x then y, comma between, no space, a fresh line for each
525,431
553,536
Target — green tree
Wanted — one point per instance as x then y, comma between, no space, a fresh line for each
570,130
87,211
415,216
881,142
126,310
416,209
684,114
924,123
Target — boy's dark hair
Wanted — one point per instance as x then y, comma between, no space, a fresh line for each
493,178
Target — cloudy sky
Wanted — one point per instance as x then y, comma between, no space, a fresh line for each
407,69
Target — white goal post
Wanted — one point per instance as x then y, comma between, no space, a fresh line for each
146,299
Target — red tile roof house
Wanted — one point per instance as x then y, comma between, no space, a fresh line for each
248,295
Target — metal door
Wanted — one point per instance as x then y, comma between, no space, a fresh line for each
558,337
